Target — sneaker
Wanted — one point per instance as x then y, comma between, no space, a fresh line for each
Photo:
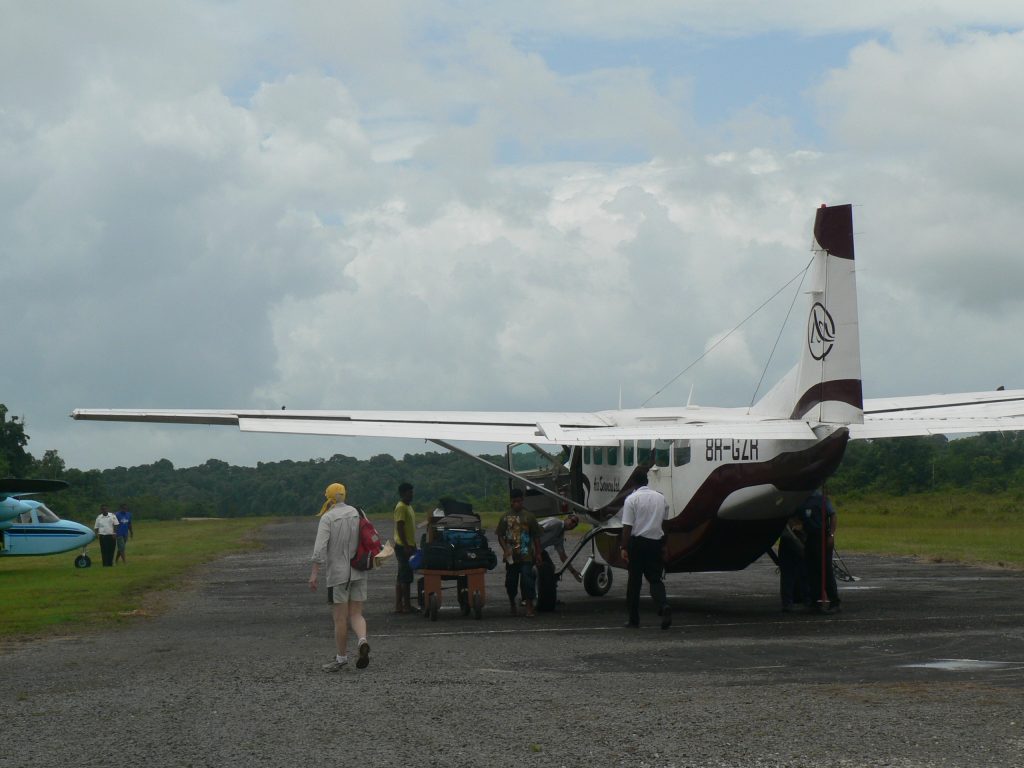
334,665
666,617
364,656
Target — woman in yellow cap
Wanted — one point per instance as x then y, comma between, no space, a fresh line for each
337,538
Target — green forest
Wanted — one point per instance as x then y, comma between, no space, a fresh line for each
984,464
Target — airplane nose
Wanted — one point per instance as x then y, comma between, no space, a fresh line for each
85,533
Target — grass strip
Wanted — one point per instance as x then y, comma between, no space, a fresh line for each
48,595
941,527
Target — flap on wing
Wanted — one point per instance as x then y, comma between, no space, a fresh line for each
941,414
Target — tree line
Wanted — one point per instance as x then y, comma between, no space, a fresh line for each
986,463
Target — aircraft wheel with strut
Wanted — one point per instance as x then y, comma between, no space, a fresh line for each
598,579
83,561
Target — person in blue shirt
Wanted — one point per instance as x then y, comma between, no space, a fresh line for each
123,531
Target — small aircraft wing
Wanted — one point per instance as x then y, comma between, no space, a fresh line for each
542,428
941,414
12,486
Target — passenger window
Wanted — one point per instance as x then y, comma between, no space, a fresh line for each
661,452
627,453
598,456
613,456
681,453
643,451
586,455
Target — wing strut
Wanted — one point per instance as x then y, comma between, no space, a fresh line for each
514,476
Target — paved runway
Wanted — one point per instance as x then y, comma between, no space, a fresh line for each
924,667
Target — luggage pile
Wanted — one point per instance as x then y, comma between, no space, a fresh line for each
457,541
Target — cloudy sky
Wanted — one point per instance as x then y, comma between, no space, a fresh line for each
506,206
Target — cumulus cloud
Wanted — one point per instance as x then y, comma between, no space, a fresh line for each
411,207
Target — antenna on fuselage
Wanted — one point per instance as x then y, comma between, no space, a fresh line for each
689,398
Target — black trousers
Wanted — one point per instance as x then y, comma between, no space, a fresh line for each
644,563
107,546
814,569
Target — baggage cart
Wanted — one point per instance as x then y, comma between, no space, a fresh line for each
469,585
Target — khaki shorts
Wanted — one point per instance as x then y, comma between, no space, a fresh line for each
351,591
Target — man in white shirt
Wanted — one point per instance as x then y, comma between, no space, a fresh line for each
106,531
642,539
337,539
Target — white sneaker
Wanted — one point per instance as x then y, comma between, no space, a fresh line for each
334,665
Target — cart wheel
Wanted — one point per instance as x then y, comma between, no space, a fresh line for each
464,603
597,580
434,604
478,605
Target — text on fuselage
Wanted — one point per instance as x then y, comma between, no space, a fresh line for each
737,450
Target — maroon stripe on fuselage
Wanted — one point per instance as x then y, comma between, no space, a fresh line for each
849,391
698,540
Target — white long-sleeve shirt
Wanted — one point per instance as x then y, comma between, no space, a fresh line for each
337,538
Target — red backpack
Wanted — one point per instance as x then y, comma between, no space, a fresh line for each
369,545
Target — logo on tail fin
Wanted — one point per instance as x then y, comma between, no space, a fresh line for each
821,332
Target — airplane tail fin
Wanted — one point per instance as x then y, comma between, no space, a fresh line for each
826,384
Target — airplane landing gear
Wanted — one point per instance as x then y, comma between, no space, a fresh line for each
83,561
597,578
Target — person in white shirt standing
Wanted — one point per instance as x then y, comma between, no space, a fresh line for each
337,538
642,540
105,527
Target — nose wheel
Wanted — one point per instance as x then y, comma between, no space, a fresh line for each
83,561
597,579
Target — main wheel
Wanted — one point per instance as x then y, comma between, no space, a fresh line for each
82,561
598,579
478,605
434,605
463,595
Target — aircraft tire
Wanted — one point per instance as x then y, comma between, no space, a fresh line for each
597,580
82,561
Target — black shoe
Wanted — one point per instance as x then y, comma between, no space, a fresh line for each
364,656
666,617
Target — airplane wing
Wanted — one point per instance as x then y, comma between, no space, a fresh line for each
941,414
541,428
12,486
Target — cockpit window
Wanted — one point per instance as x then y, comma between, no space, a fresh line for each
45,515
25,518
681,453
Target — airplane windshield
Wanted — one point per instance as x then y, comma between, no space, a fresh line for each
45,515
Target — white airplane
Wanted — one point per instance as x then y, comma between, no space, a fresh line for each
731,475
29,527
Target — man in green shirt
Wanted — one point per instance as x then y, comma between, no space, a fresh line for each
519,536
405,545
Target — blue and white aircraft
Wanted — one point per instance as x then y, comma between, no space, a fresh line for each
29,527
